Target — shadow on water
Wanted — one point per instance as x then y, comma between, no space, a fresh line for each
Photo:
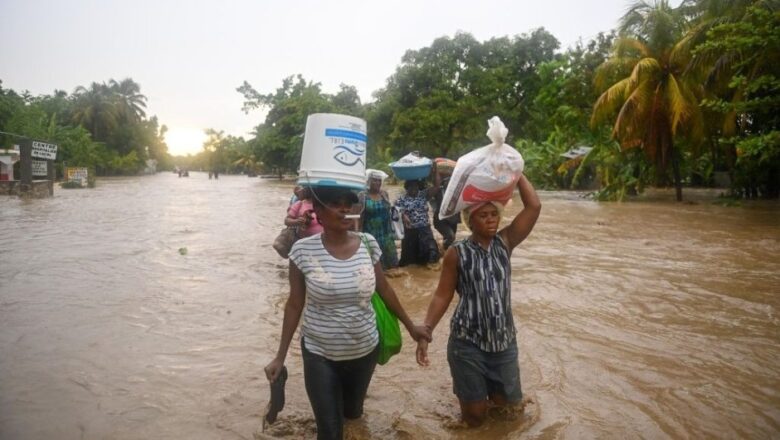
648,319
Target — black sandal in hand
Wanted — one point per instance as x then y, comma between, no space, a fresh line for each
277,398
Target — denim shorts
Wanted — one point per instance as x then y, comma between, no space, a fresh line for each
478,374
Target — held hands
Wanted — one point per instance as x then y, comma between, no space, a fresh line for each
274,369
420,332
422,353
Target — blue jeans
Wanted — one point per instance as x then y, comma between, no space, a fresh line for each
478,374
336,389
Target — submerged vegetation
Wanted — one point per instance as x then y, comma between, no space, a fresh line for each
682,96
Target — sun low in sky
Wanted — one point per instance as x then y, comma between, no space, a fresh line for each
184,140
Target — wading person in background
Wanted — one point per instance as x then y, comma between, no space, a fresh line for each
376,218
302,215
418,245
296,194
482,349
339,343
447,227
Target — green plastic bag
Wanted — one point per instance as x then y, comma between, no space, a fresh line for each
389,330
386,323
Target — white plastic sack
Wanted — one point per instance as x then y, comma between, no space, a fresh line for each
376,174
487,174
397,223
411,160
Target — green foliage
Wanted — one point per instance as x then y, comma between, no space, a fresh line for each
440,96
278,140
650,99
744,85
72,184
380,158
127,164
565,100
542,160
103,126
621,172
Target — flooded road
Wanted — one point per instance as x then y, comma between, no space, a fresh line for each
147,308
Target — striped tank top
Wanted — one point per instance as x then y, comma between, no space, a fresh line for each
338,320
483,315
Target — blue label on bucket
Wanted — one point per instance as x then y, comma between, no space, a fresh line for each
347,134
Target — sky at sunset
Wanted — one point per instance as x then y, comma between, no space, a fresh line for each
189,57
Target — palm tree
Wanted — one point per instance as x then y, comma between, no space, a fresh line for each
651,97
249,163
129,98
95,110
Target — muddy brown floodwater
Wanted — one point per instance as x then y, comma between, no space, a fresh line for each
147,307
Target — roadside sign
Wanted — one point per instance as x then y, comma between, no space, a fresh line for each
39,168
78,174
44,150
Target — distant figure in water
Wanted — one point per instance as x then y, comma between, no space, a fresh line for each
211,175
447,227
482,349
332,278
216,174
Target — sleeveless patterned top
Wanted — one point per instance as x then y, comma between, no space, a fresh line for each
483,315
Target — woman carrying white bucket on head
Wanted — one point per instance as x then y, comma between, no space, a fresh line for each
332,278
482,349
334,152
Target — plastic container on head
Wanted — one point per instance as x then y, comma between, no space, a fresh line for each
334,152
412,167
411,172
445,166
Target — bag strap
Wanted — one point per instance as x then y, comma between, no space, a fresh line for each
368,247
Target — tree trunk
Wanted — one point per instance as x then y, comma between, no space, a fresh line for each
676,170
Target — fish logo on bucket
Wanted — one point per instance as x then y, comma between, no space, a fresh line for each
348,156
350,146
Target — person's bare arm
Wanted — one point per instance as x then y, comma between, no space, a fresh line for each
524,222
440,301
292,315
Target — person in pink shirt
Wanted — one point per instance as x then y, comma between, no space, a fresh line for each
301,214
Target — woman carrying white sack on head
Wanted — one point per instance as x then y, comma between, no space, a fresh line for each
482,348
485,174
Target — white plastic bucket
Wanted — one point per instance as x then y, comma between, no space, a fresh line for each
334,152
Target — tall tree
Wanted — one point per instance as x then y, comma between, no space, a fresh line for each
652,98
95,109
439,98
131,102
278,140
